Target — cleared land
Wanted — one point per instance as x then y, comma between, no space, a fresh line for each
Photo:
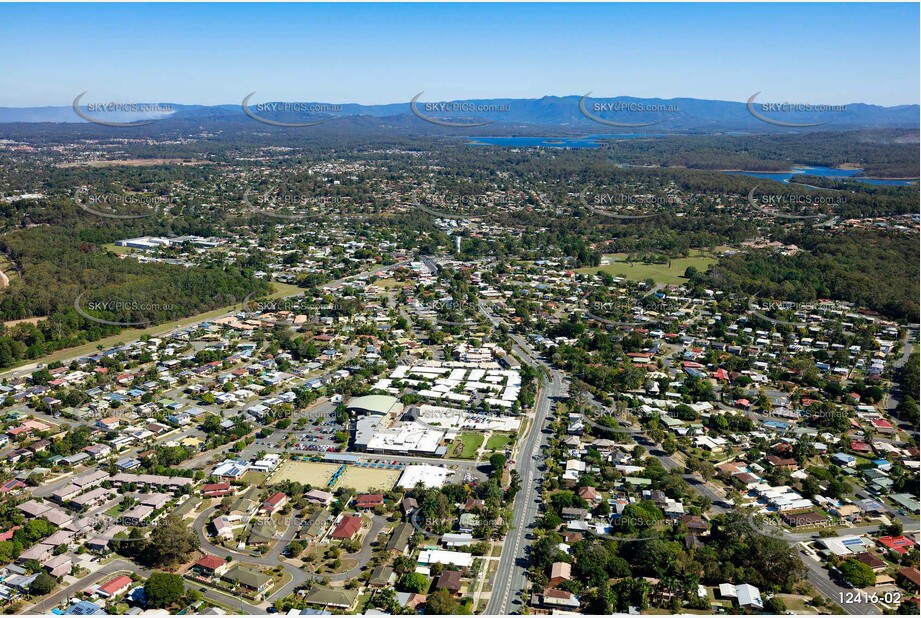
392,283
363,480
117,250
660,273
7,271
316,474
12,323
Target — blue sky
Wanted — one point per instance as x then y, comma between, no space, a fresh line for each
386,53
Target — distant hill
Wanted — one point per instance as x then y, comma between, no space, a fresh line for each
561,113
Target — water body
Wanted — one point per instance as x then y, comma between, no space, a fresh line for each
825,172
594,141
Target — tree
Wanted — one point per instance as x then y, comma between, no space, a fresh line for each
546,551
163,589
497,461
893,529
775,605
403,565
857,573
295,549
42,585
441,603
414,582
171,542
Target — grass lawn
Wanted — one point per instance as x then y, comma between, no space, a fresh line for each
797,603
254,478
498,441
392,283
471,443
113,248
115,511
660,273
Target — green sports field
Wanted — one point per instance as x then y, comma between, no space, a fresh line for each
660,273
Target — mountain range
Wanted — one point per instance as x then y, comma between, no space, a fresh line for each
677,115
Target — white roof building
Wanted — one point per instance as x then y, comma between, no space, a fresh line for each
429,476
457,558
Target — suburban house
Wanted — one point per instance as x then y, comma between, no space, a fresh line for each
560,572
275,503
369,501
250,580
211,566
347,528
115,587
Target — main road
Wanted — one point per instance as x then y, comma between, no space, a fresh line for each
511,576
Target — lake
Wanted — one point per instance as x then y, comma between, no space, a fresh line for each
593,141
825,172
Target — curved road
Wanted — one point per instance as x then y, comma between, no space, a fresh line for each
272,558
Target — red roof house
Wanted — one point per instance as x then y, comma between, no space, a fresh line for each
347,528
881,424
216,490
211,565
12,485
8,535
369,501
898,544
275,502
115,586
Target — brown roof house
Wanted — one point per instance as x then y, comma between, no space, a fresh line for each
695,524
560,572
450,581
